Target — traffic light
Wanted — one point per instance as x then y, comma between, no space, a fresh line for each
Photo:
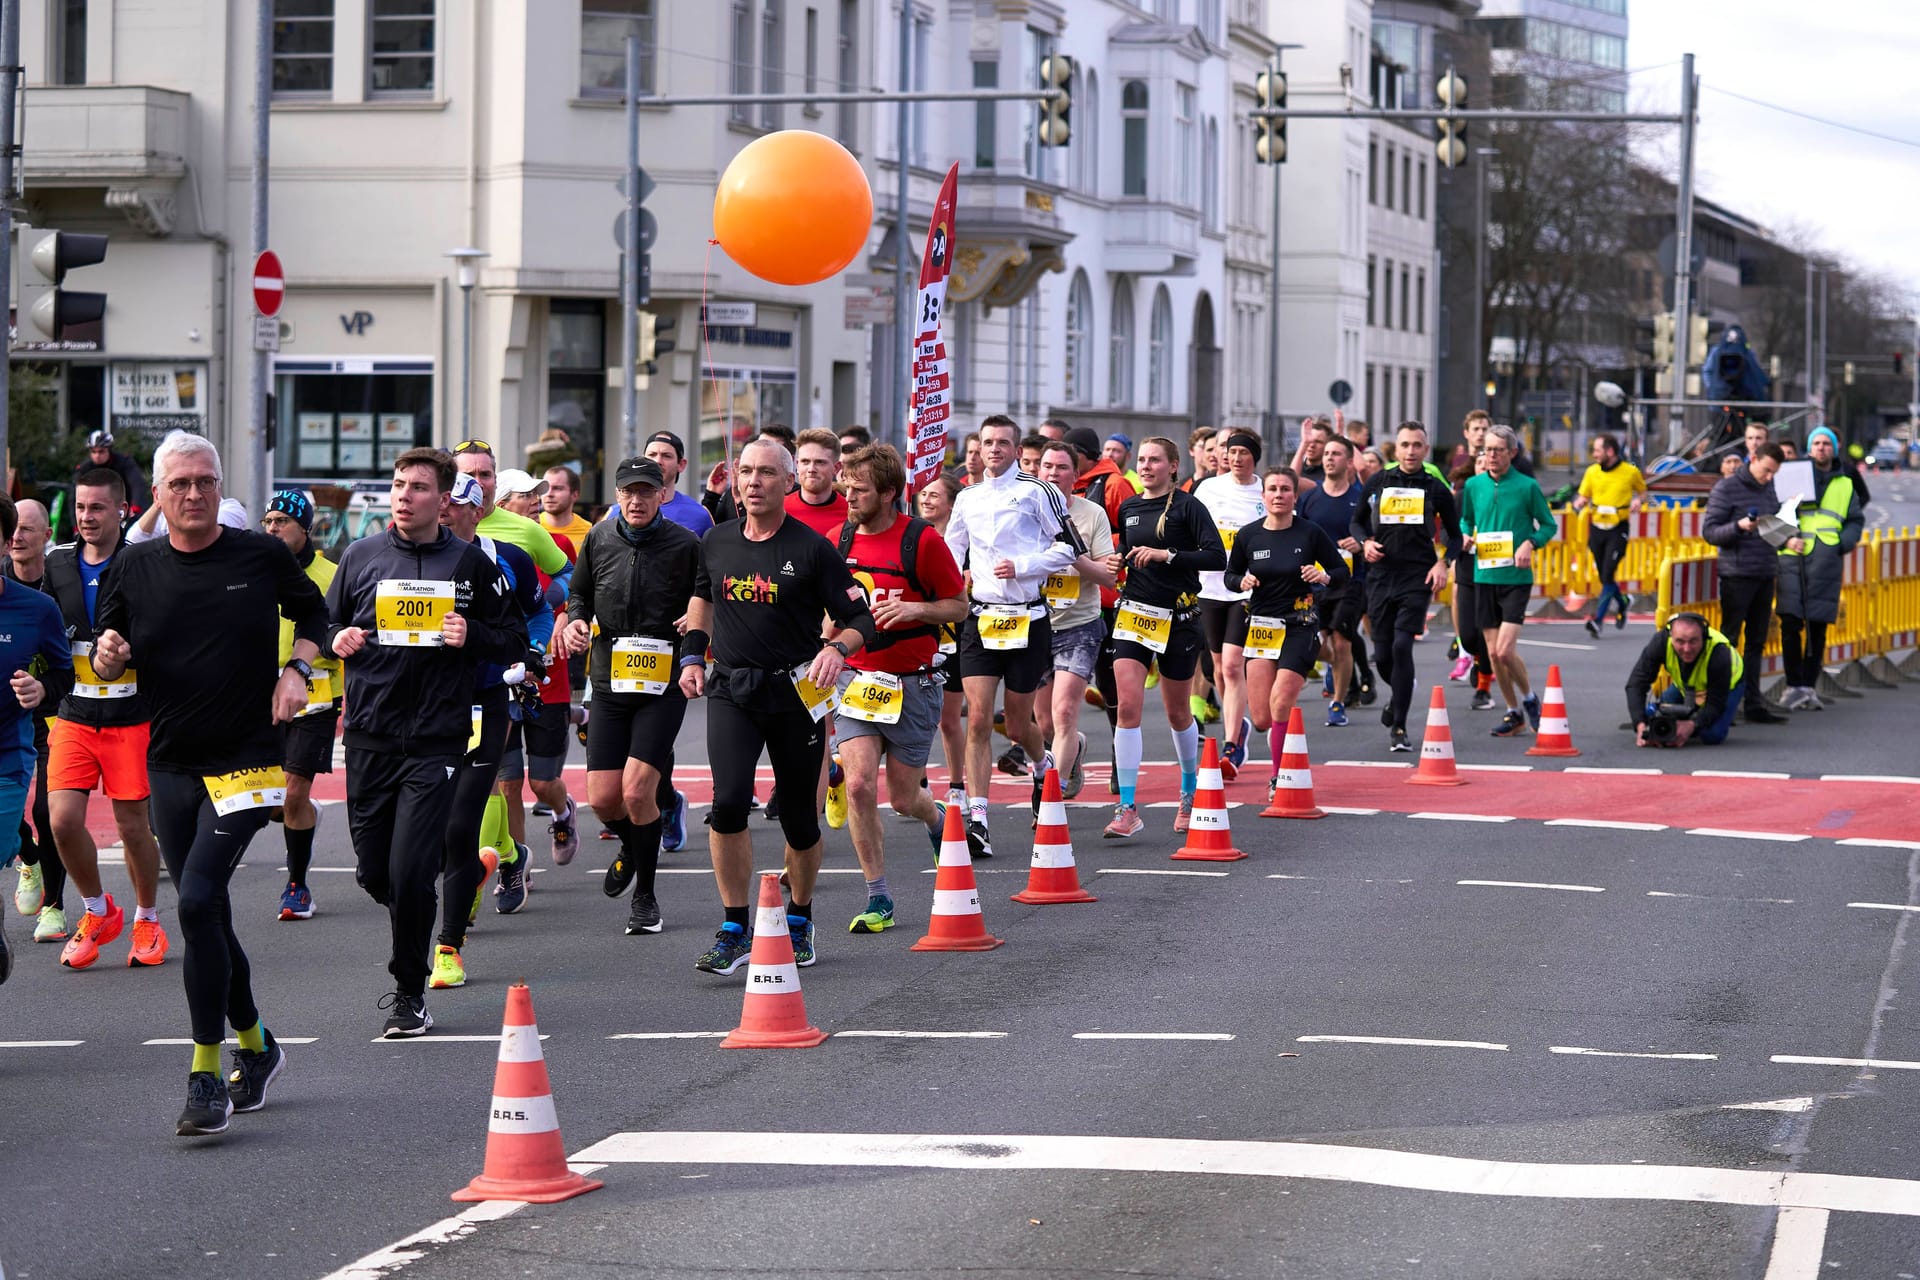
1663,327
1696,340
46,312
1270,132
655,336
1452,146
1056,113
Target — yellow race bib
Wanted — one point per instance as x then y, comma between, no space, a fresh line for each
1227,536
88,685
948,644
1062,589
260,788
641,665
1265,636
818,702
1606,517
874,696
1144,625
1493,550
1004,627
473,739
319,694
407,611
1403,506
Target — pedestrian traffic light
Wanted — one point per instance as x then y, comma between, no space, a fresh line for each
1663,338
45,311
1056,123
1270,132
1696,340
1452,146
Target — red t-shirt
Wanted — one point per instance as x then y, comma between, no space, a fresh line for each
876,564
824,519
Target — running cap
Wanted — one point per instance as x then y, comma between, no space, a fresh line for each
1245,440
513,480
1122,439
1085,442
679,445
643,471
467,491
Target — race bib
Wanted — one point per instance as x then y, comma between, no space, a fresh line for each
1348,557
1493,550
319,695
641,665
88,685
1265,636
1062,589
818,702
1606,517
1004,627
473,739
1403,506
1144,625
948,644
407,611
260,788
1226,535
874,696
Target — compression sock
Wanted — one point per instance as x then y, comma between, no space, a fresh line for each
493,828
97,906
149,914
206,1057
254,1038
1277,743
645,852
877,888
1186,745
1126,761
737,916
299,853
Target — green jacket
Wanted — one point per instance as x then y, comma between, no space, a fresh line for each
1512,510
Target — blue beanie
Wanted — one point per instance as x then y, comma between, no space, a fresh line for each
1817,432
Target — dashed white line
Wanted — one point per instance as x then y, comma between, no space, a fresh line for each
1404,1040
1714,897
1527,884
1605,824
1620,1053
1153,871
1726,834
1462,817
183,1041
1885,906
1778,1104
384,1262
1366,764
1761,774
1152,1035
923,1035
1880,1064
1862,842
1799,1240
438,1039
1351,813
41,1044
670,1035
1895,779
1495,768
1556,644
1351,879
1594,768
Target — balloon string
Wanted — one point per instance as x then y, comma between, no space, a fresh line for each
706,358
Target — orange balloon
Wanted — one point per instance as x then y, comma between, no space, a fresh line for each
794,207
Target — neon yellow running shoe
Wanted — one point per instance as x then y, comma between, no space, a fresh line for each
836,795
448,971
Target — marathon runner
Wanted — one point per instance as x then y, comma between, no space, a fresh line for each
935,504
39,895
667,451
559,505
414,612
1402,511
308,737
818,503
1614,489
1200,445
198,612
762,586
1079,634
890,691
1233,499
1167,540
634,577
1469,650
1331,504
1102,484
1505,516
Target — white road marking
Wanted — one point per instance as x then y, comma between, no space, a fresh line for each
1556,644
925,1035
1605,824
1879,1064
1799,1238
1714,897
1152,1035
1725,834
1404,1040
1374,1166
1633,773
1359,880
440,1039
1778,1104
1761,774
1892,778
384,1262
1366,764
1526,884
1884,906
1150,871
1861,842
1462,817
1619,1053
41,1044
1351,813
1495,768
187,1040
670,1035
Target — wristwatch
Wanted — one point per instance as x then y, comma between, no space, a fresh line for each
302,666
842,649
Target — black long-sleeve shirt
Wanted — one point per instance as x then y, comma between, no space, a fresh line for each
1406,513
1275,558
634,587
1188,532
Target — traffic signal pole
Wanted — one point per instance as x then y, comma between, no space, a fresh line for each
630,267
9,94
259,450
1683,248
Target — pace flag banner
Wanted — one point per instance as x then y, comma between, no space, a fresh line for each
932,365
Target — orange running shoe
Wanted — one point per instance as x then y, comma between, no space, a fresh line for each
149,944
94,932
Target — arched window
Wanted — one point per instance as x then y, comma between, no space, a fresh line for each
1160,352
1120,345
1079,379
1133,138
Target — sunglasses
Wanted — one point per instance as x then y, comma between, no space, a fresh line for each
474,446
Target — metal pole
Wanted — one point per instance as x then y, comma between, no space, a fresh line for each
1480,396
1278,437
1820,410
1913,405
630,269
896,419
9,94
466,360
1683,252
1807,338
259,450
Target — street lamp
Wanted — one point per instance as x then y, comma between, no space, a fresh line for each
1485,155
467,262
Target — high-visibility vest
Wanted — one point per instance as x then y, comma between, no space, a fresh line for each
1825,519
1694,680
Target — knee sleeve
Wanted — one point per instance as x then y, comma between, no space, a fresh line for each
729,819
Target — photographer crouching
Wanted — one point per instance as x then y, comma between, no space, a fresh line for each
1704,683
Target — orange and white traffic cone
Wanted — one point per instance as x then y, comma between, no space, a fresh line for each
1051,877
1555,737
956,923
773,1014
1293,796
1436,750
525,1158
1208,836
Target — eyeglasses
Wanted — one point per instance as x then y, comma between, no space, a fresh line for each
474,446
180,486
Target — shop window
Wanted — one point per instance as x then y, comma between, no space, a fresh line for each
735,402
341,426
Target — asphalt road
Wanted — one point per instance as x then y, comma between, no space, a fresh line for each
1471,1044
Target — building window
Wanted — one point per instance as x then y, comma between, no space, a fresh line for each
335,426
1079,372
1083,148
400,48
1133,138
1160,352
1186,152
961,316
1373,265
844,68
1423,189
742,78
1387,204
604,28
302,48
1420,301
577,376
1406,182
69,61
1420,393
1380,431
986,75
812,79
1406,294
1373,173
773,60
1210,178
1120,345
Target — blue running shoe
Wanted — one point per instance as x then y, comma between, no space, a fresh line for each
673,824
1510,724
800,929
1336,716
510,889
296,902
731,948
1531,705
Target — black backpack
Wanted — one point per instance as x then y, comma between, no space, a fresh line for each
909,554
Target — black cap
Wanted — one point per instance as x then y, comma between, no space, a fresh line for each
1085,442
640,471
679,446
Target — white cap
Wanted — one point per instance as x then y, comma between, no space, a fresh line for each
513,480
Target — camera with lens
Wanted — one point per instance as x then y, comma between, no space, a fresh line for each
1663,729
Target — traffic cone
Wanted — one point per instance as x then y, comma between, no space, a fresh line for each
1436,751
1051,876
1555,737
1208,838
1293,797
773,1015
525,1158
956,923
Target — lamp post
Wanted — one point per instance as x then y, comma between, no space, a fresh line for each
1486,156
467,264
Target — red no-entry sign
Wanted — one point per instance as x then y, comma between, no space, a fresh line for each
269,283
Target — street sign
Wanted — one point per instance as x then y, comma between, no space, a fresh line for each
649,229
1669,250
1340,392
868,306
646,185
269,289
744,313
266,333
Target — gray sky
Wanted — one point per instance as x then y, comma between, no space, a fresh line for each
1844,60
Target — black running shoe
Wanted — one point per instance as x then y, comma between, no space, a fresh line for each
510,886
645,915
1397,741
409,1016
1482,700
978,845
208,1107
253,1072
619,875
773,807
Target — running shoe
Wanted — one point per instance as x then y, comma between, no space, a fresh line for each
409,1016
1453,648
979,845
620,874
1510,724
149,945
541,809
94,932
1273,787
1397,740
489,863
1095,699
608,835
1367,693
1810,699
1462,667
1153,677
1232,756
1013,762
1336,715
1593,627
1183,815
955,796
939,827
296,902
30,892
1125,825
565,830
800,929
1482,700
1077,775
1620,623
511,890
673,824
51,926
1386,716
836,795
877,918
1326,683
731,948
644,915
1000,723
1040,784
1531,705
208,1106
253,1071
448,969
773,807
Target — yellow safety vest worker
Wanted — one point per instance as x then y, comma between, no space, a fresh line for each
1825,519
1694,680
